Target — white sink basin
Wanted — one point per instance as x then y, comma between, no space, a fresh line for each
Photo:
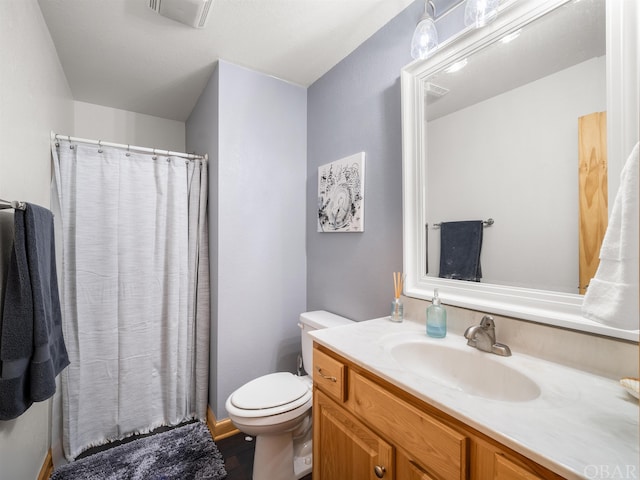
464,368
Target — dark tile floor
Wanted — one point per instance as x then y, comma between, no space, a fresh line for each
238,457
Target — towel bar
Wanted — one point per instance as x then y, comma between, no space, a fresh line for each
4,204
487,223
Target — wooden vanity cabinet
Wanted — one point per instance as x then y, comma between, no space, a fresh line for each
348,449
505,469
366,428
408,469
441,450
330,374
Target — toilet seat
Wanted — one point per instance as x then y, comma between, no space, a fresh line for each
270,394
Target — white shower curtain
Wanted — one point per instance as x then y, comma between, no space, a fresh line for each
134,291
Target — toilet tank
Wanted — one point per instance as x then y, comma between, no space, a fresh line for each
316,320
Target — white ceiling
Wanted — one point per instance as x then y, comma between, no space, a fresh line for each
122,54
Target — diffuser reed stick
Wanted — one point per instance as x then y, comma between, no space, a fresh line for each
397,283
397,309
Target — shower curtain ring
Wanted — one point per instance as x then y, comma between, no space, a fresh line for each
155,157
99,146
128,150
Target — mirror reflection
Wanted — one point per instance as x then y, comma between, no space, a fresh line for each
526,122
502,143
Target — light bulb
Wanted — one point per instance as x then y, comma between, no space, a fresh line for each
480,12
425,38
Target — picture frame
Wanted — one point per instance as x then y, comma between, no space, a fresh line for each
341,195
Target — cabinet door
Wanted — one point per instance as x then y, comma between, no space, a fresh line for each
427,439
407,469
505,469
343,448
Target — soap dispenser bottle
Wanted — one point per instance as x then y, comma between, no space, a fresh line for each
436,318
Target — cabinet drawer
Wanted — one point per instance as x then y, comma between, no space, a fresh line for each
329,375
439,448
505,469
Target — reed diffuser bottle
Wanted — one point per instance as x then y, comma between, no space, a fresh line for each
397,308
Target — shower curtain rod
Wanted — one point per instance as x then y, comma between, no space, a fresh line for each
155,151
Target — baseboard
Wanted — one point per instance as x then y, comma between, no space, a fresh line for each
47,467
219,430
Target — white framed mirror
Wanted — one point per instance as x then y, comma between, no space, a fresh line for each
467,157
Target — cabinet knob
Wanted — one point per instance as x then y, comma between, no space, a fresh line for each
379,471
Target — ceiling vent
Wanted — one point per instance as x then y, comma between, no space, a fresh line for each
190,12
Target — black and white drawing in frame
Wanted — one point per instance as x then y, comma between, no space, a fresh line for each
341,195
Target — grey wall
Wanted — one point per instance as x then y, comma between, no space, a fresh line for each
254,128
258,130
356,107
34,99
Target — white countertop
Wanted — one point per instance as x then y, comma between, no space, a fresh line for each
580,426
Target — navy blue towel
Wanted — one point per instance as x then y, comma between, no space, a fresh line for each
32,349
460,246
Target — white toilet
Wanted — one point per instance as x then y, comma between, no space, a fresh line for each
276,409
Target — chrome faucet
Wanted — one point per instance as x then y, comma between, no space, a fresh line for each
483,337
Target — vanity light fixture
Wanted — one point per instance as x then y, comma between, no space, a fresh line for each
425,37
480,12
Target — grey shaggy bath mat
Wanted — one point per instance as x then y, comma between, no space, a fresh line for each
184,453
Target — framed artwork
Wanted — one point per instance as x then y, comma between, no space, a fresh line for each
341,195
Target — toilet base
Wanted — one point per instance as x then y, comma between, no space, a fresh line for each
284,456
302,466
273,458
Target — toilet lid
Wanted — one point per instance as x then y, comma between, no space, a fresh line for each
269,391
